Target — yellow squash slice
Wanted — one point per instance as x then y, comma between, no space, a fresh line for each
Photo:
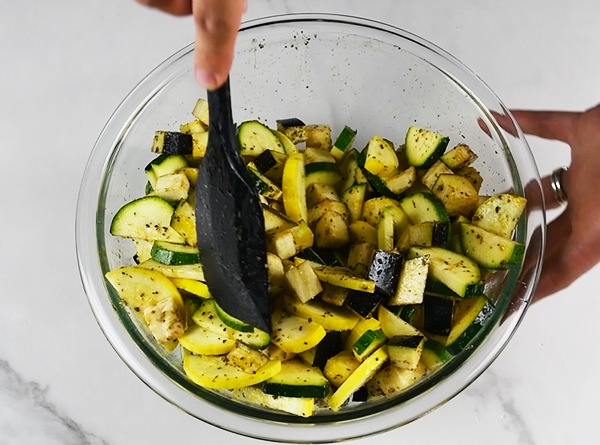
293,184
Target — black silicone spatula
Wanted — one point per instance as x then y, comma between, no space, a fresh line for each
229,221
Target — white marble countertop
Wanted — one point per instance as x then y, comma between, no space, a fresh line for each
66,65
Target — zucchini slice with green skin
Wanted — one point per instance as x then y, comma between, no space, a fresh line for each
405,350
424,207
458,272
488,249
322,173
190,271
232,322
297,379
264,185
365,338
174,254
147,218
164,164
301,406
434,354
343,142
207,317
457,342
424,147
256,137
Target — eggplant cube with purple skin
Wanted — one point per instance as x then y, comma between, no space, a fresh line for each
385,271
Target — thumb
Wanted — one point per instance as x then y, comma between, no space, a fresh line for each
217,23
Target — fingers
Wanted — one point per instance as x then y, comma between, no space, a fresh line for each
175,7
217,24
547,124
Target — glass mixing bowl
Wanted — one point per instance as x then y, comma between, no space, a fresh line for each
322,69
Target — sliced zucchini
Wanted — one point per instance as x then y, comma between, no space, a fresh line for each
349,167
460,156
343,143
303,407
405,350
322,173
327,257
172,143
215,371
393,326
189,271
256,137
231,321
424,147
434,354
354,197
297,379
423,207
385,230
264,185
358,378
458,272
365,338
381,159
147,218
462,333
207,317
488,249
174,254
499,214
164,165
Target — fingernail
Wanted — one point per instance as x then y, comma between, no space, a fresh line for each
206,79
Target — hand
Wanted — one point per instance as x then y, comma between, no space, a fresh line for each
573,245
217,23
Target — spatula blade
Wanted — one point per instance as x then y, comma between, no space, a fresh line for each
229,222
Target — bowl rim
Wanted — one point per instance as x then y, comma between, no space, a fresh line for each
135,358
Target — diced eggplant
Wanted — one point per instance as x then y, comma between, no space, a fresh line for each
270,163
364,303
327,348
437,315
172,143
385,271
